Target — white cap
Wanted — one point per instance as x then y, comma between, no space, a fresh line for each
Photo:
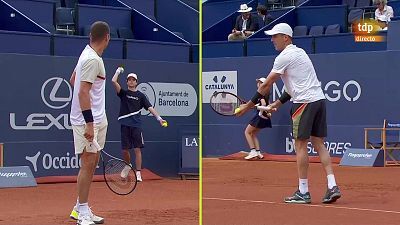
132,75
280,28
244,8
261,79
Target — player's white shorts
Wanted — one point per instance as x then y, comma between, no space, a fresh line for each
80,142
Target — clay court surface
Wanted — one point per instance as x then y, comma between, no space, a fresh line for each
169,202
251,192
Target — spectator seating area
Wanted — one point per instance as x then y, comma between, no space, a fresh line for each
132,22
317,25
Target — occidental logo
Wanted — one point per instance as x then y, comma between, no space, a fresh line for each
54,162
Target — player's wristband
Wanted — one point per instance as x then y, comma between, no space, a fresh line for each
159,118
284,97
256,97
87,114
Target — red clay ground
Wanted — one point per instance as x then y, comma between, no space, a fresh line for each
167,202
251,193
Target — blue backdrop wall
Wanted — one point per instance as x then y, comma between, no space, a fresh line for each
361,88
34,124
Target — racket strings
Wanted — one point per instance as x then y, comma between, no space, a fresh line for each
224,103
120,177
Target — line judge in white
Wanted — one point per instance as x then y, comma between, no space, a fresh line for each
308,112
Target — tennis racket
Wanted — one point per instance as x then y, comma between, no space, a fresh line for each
225,103
119,176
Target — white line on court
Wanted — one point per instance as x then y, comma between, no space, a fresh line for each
306,205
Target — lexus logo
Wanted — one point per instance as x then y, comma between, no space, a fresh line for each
53,89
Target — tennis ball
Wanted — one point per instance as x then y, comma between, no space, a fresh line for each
165,124
237,110
121,69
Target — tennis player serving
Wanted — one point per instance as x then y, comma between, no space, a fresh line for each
308,112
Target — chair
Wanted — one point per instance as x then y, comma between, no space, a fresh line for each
300,31
125,33
274,4
354,16
332,29
65,20
389,141
316,30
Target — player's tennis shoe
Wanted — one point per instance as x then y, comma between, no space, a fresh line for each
85,219
299,198
125,171
139,176
259,155
251,155
332,195
96,219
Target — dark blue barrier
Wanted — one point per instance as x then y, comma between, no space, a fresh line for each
25,43
221,30
192,3
260,47
69,45
218,49
288,17
13,20
279,12
40,11
322,15
92,2
215,11
185,19
396,7
264,47
351,85
393,42
322,2
157,51
346,43
146,29
73,45
44,126
195,53
115,49
145,7
115,3
116,17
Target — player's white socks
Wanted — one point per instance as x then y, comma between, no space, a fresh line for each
331,181
83,208
303,186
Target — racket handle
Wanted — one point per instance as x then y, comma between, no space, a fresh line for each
264,108
95,145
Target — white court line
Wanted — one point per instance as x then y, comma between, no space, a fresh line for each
306,205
